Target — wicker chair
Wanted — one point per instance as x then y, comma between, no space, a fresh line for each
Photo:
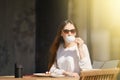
99,74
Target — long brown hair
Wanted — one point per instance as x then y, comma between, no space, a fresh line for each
57,41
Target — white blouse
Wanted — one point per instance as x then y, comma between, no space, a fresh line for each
68,59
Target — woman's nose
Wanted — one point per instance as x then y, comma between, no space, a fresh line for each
69,33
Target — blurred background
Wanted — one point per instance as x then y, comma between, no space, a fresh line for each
28,27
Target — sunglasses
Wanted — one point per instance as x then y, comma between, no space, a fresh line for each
66,31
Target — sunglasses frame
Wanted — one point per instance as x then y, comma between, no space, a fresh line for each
66,31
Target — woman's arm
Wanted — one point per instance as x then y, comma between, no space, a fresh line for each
80,43
85,62
55,69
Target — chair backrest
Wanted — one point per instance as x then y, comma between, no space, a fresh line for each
106,64
99,74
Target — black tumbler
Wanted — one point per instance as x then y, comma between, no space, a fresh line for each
18,71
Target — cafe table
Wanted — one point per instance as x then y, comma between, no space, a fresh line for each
37,78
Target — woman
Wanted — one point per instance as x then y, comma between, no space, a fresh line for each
69,54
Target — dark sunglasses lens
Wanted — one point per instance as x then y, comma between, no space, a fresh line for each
67,31
73,31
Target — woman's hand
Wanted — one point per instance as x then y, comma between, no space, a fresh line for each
70,74
79,41
47,72
75,75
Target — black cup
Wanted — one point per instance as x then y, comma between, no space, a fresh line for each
18,71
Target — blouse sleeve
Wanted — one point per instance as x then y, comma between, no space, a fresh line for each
85,63
55,69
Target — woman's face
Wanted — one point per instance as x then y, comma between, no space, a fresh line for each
68,30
